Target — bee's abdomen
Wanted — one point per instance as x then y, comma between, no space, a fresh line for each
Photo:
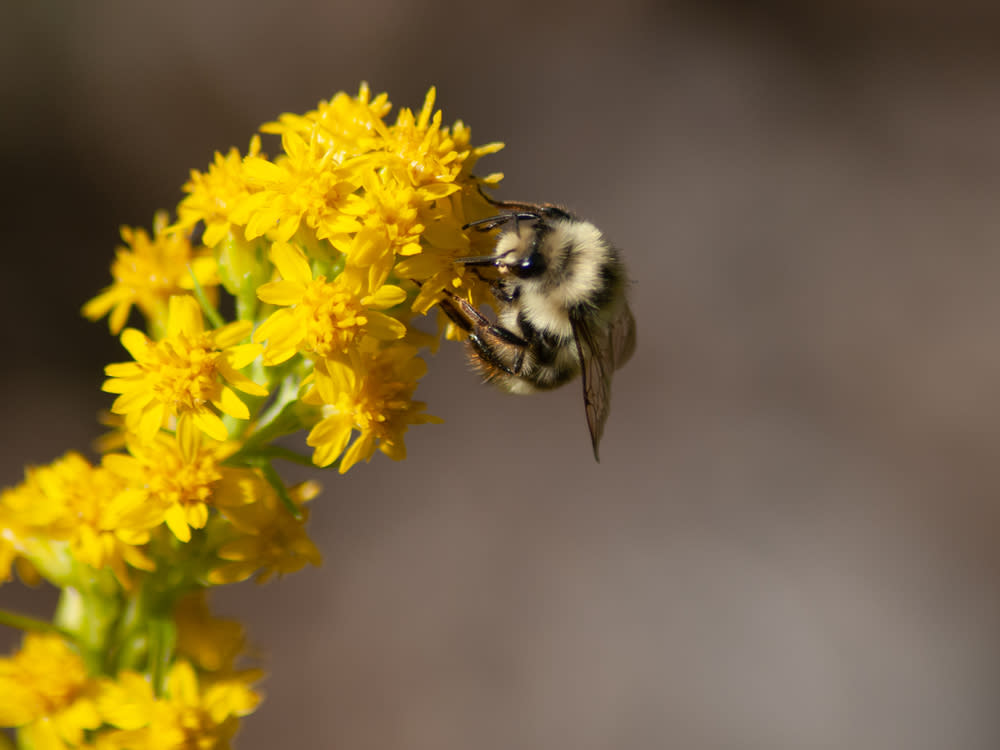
547,363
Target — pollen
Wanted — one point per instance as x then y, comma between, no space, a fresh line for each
324,303
382,398
181,372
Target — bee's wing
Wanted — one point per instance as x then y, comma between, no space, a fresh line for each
597,365
602,350
623,337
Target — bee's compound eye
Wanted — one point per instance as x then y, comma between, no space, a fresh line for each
529,267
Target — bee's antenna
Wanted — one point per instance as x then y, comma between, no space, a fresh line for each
540,210
492,222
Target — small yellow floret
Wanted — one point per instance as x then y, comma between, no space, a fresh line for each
371,393
47,693
183,374
148,271
192,713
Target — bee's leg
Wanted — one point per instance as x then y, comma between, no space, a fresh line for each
501,292
466,318
490,350
491,342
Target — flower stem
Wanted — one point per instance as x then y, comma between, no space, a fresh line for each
206,307
25,623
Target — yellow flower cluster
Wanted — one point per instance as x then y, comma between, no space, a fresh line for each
281,300
56,703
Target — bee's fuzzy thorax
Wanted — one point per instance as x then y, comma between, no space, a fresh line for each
577,260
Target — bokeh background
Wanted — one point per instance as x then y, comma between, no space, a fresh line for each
792,540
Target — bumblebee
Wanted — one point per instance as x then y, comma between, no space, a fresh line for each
562,309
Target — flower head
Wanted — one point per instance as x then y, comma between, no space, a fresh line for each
346,125
305,185
182,375
47,693
323,318
268,539
14,533
192,713
148,271
210,642
371,393
104,521
350,183
213,197
180,474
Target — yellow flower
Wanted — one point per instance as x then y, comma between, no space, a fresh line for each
392,216
181,376
345,125
303,185
212,643
423,153
321,317
179,474
104,521
394,208
212,197
13,535
269,539
371,393
192,713
47,694
148,270
435,267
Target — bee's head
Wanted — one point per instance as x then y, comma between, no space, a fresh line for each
527,245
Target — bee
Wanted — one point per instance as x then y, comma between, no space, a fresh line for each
562,312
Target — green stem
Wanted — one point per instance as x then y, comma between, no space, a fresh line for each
25,623
162,645
246,303
277,452
206,307
281,418
274,479
89,615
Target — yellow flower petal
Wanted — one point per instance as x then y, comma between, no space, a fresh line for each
291,264
135,342
383,327
129,400
339,378
281,292
330,437
231,334
148,423
242,355
360,450
239,381
123,370
176,520
229,403
185,317
188,437
210,424
384,297
182,684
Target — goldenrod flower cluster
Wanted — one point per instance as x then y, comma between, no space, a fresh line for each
281,299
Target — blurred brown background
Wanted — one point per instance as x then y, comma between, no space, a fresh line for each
792,541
